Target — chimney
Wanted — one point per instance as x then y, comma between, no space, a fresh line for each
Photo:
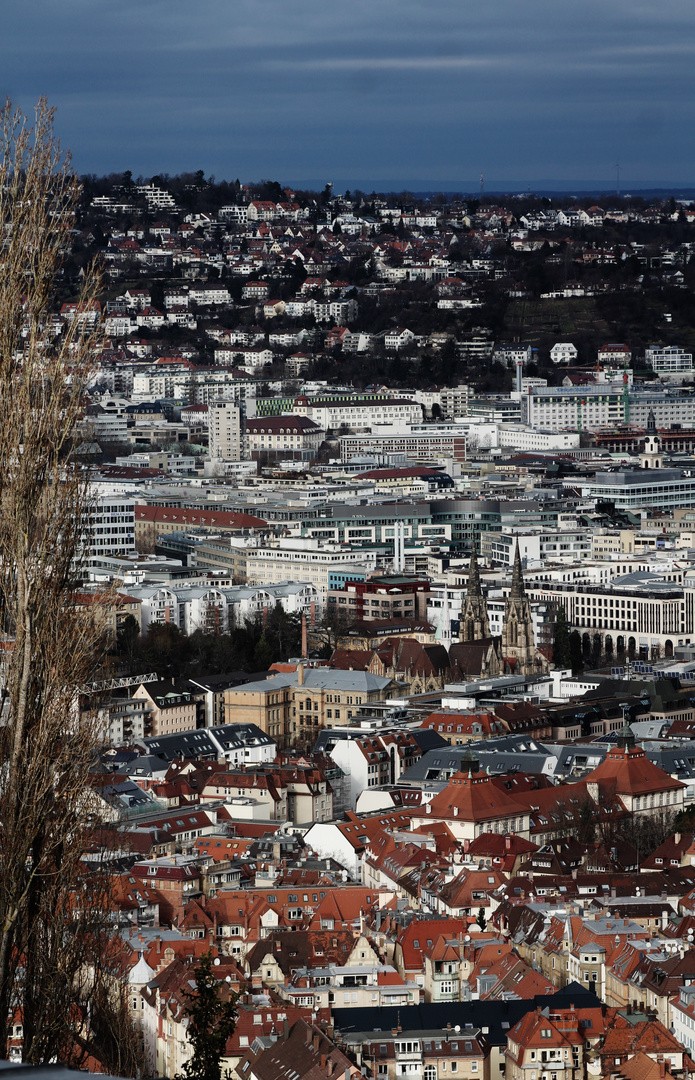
305,641
300,675
316,1042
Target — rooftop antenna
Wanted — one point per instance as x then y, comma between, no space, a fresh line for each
482,184
617,179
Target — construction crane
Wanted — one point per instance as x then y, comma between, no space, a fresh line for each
626,398
118,684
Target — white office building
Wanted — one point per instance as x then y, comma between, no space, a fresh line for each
668,358
590,408
304,560
110,526
667,489
640,612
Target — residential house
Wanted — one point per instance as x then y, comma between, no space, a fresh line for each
171,708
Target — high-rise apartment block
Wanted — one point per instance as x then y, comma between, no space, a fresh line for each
226,438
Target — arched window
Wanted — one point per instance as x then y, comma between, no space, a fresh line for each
430,1072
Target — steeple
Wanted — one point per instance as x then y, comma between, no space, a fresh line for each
651,457
473,576
518,645
474,621
626,736
470,762
443,634
518,592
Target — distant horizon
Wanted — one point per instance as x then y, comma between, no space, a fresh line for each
515,187
399,95
542,187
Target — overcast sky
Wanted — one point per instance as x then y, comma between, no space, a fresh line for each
368,93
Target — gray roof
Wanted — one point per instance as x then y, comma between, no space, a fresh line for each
325,678
239,736
126,795
145,765
675,759
576,757
649,729
508,753
206,742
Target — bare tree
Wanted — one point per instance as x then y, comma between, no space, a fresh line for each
50,645
328,631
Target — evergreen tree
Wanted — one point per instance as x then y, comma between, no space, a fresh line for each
576,654
262,654
562,657
480,918
211,1021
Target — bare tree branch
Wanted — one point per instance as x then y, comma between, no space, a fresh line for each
50,645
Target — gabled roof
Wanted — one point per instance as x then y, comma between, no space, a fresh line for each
624,1038
670,853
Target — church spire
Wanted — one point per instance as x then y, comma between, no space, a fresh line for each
473,577
474,625
518,592
518,646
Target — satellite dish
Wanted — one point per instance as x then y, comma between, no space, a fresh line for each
457,1028
216,961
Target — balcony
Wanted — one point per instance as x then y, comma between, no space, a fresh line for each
408,1052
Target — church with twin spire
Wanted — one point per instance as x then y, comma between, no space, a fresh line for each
514,652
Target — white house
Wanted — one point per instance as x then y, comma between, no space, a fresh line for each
398,338
563,352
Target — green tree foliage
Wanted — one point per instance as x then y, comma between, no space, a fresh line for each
576,654
562,654
252,646
127,639
262,654
481,919
211,1011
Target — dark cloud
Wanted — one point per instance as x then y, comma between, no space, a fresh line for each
390,91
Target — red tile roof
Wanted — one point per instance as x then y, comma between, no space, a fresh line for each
186,518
